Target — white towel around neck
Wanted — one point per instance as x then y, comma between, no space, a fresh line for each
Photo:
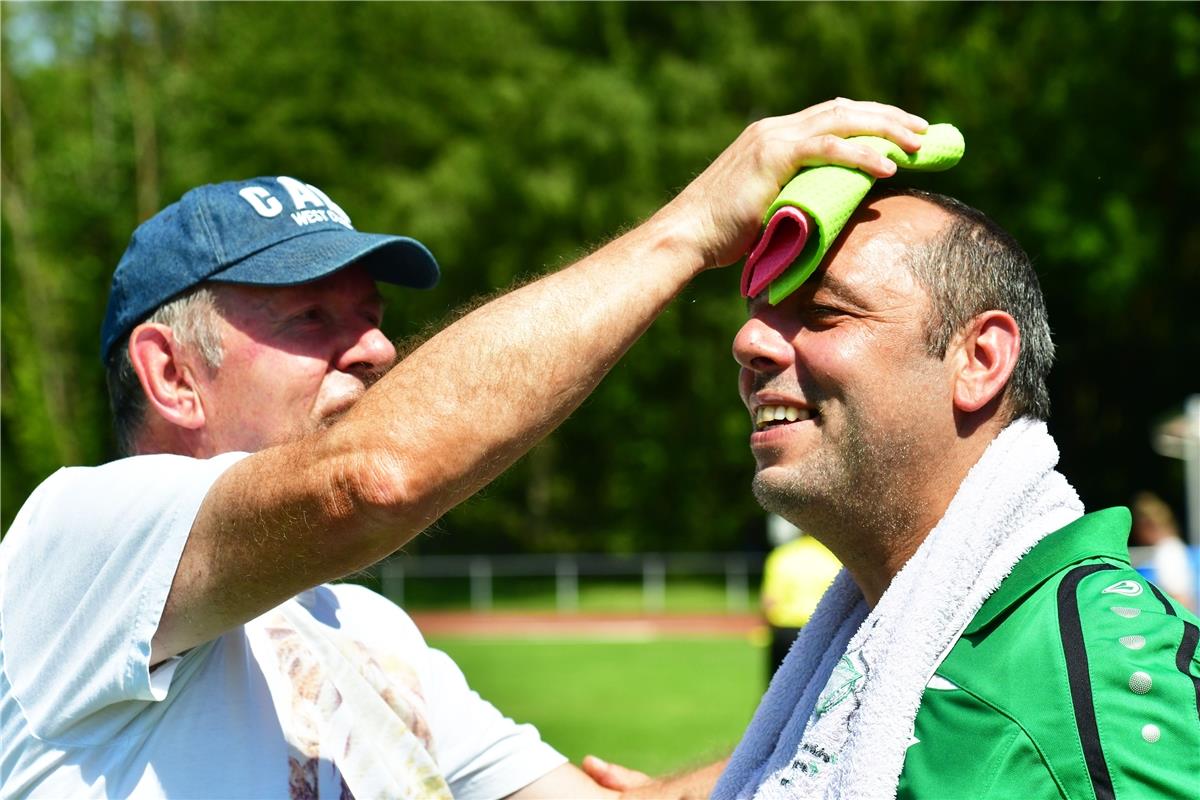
839,713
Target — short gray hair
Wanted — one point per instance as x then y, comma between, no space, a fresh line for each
193,318
974,266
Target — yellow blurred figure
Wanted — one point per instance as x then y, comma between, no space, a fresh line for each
795,576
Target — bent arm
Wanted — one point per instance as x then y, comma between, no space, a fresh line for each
475,397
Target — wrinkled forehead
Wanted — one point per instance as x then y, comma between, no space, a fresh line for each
878,243
904,218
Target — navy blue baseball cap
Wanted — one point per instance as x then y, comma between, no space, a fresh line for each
262,231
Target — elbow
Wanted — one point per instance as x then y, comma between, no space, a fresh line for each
386,500
372,494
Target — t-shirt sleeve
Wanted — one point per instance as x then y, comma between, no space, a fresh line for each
483,754
84,574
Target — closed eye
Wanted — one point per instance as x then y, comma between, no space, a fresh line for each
306,317
822,316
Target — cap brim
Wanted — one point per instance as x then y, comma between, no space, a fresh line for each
311,256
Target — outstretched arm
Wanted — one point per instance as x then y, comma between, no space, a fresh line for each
475,397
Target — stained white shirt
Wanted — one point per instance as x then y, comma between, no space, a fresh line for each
333,691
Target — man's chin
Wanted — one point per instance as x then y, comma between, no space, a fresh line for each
779,492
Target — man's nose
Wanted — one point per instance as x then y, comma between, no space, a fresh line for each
372,351
760,347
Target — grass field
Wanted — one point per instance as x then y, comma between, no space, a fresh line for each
659,706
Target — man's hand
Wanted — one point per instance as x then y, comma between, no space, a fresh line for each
599,780
722,209
614,776
695,785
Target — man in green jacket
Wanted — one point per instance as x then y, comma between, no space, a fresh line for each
986,639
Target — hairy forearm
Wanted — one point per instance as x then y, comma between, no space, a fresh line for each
472,399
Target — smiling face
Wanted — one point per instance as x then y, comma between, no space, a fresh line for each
295,358
851,414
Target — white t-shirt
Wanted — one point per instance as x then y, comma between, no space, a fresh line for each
332,694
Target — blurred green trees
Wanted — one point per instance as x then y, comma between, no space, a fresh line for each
512,138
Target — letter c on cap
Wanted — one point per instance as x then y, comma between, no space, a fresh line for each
256,195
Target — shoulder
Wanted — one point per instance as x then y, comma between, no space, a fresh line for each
94,513
158,465
1097,649
1134,673
1094,633
1121,634
87,516
1113,600
84,574
120,487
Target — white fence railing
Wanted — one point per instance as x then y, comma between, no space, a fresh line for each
567,570
654,570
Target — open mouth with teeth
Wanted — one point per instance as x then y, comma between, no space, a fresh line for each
768,416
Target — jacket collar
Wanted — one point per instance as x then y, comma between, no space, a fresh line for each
1099,534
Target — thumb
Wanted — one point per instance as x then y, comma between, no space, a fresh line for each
613,776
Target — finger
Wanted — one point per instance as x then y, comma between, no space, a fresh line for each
613,776
830,149
842,121
909,120
912,121
841,107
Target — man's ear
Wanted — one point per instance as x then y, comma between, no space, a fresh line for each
985,359
167,375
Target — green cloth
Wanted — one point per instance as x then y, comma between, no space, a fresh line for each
831,194
998,720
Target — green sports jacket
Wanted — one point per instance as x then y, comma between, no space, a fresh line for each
1076,679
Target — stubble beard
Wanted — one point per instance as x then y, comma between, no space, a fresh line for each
851,493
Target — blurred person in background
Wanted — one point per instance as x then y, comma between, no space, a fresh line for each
1170,564
167,625
796,574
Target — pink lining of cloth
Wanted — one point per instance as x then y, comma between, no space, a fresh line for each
778,247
